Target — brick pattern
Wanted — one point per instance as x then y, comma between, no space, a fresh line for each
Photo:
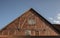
20,25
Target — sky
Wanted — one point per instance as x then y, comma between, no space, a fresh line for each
11,9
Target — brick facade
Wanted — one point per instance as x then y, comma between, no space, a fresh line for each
31,21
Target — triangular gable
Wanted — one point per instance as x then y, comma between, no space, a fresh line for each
13,25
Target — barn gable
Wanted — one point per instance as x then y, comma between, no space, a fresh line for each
32,21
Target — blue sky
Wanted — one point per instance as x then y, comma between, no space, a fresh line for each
11,9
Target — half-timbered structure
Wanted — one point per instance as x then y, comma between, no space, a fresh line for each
29,24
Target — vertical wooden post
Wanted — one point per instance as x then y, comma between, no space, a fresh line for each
34,33
8,32
2,32
19,22
15,32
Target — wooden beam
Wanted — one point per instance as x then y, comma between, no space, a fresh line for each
23,23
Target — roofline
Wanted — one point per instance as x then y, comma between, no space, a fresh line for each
39,15
51,25
15,19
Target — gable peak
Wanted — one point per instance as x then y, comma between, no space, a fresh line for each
31,9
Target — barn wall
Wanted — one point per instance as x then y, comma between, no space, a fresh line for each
40,28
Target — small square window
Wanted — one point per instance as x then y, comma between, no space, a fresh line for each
28,32
31,21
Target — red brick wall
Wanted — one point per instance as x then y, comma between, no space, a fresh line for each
44,29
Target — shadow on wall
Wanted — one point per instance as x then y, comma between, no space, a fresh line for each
35,37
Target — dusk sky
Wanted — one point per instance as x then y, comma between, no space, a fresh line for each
11,9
